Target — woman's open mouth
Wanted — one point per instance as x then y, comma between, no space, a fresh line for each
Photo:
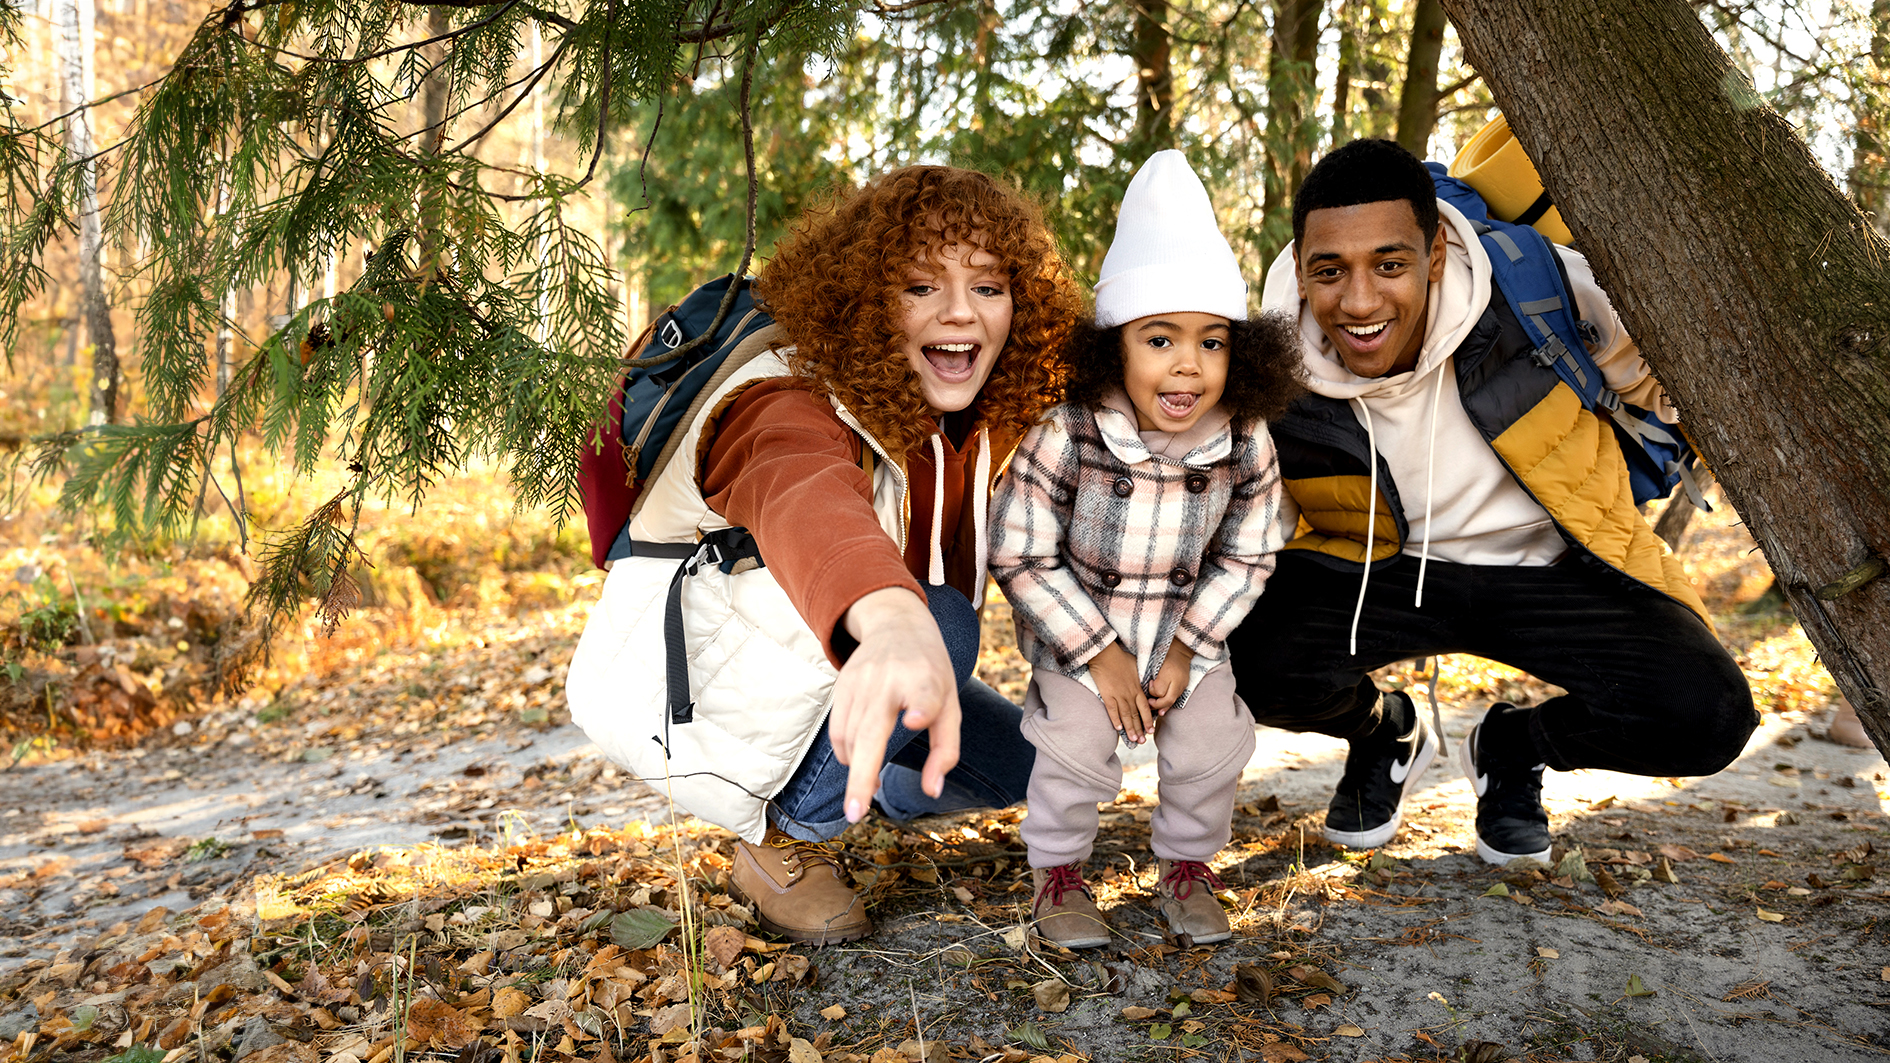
951,361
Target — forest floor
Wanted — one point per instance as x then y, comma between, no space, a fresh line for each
396,847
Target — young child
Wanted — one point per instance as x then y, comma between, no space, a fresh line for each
1133,531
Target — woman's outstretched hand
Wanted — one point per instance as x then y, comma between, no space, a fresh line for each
900,667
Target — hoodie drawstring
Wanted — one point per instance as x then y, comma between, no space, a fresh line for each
1371,517
980,508
935,569
1430,483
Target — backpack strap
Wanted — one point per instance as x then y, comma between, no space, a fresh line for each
1529,273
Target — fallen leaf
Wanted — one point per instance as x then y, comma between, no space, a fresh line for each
1316,1000
1617,908
1608,883
963,894
1281,1052
509,1002
1719,858
833,1014
441,1025
1497,890
1637,988
1348,1030
1052,994
639,928
1211,996
1678,853
1548,954
1663,872
1771,917
673,1017
1134,1013
725,943
1252,985
801,1051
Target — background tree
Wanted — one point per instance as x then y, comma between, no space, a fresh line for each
1753,284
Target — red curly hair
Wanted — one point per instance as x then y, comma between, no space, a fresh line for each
834,282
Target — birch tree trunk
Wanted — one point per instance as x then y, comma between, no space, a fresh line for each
1754,286
73,19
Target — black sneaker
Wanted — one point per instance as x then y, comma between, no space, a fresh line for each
1380,772
1511,822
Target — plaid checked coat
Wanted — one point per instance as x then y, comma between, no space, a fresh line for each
1102,533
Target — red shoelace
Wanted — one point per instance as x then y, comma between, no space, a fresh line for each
1058,881
1183,874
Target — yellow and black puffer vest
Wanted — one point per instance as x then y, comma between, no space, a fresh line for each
1566,458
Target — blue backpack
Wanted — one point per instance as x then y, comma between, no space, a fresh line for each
1530,275
627,447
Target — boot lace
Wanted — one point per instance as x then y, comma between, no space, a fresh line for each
803,854
1183,874
1057,881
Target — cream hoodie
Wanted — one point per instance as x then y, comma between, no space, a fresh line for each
1458,496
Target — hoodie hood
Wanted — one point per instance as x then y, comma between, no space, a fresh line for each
1453,307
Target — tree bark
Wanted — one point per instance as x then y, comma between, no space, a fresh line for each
75,44
1417,107
1292,95
1154,80
1755,288
1869,166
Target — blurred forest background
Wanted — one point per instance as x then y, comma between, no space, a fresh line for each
311,301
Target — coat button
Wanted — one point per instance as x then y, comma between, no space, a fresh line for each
1197,483
1180,577
1124,487
1111,578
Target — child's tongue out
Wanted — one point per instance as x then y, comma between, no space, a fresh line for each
1178,403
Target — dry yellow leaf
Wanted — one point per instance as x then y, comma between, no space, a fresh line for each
1348,1030
1771,917
833,1014
800,1051
509,1002
1548,954
1719,858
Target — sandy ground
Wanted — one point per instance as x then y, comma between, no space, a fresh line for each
1696,969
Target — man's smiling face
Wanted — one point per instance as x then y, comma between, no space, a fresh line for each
1366,271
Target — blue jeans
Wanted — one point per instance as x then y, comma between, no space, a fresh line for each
994,760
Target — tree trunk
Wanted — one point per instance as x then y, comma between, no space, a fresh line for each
1754,286
1417,107
1154,80
1292,95
74,19
1870,169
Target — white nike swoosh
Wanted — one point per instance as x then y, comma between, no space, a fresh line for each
1400,770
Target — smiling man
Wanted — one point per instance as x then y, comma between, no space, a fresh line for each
1424,469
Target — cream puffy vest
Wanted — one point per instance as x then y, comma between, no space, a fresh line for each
762,684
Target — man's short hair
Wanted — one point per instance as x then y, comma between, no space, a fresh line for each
1367,171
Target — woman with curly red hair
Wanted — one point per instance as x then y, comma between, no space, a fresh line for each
921,316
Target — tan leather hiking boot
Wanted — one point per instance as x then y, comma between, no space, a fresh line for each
1064,909
797,890
1184,894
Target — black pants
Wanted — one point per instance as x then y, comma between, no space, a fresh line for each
1650,690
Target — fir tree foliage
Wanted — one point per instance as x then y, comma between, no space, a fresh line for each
481,323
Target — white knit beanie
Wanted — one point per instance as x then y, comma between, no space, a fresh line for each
1169,255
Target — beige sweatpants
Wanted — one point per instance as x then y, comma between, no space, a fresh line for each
1201,748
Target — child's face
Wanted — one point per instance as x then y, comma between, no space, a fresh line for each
956,313
1174,367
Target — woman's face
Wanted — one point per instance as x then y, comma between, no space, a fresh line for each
956,312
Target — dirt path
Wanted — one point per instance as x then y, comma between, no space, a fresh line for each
1773,943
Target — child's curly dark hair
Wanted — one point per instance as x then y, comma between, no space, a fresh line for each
834,282
1265,372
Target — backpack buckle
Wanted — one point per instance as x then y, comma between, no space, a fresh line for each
1608,400
1589,333
1547,354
